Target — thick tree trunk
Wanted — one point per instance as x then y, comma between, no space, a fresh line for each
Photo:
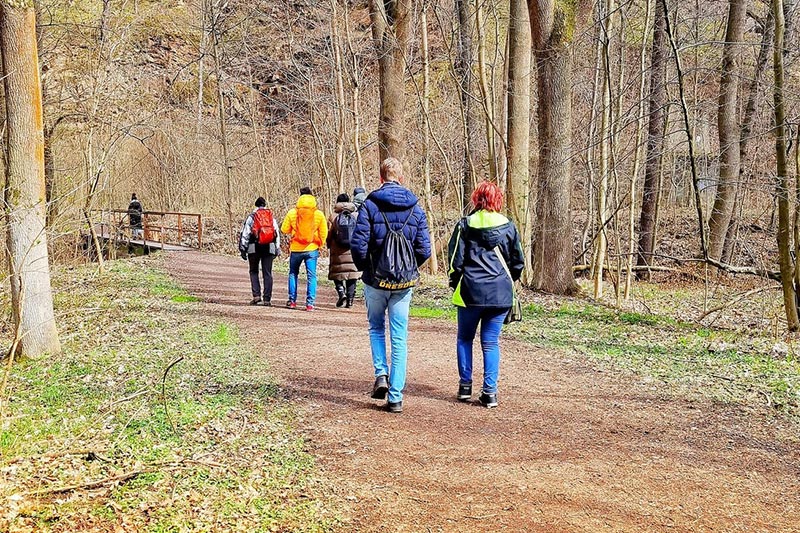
655,141
32,296
782,185
426,143
518,185
553,25
391,22
728,129
463,69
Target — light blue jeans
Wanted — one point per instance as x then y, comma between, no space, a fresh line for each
295,260
491,322
396,303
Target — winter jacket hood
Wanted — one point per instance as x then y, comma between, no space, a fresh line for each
401,209
350,207
393,197
307,201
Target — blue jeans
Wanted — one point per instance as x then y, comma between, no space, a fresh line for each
396,303
491,320
295,260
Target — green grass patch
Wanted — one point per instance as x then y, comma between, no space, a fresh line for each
728,366
218,441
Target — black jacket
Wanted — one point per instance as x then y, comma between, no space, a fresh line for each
479,246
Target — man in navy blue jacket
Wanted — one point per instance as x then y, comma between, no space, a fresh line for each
391,206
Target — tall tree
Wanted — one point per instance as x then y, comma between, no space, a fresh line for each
25,198
728,129
518,186
553,27
655,141
391,28
782,184
463,69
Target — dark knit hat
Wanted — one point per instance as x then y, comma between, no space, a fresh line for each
342,198
306,190
260,202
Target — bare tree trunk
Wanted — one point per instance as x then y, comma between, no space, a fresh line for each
341,103
463,70
753,90
518,184
655,142
31,292
426,143
728,129
216,38
637,158
782,184
601,243
202,62
553,26
356,99
486,97
391,22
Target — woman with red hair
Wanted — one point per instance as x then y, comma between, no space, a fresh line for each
486,259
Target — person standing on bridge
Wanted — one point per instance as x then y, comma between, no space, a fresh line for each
486,258
389,244
259,243
308,230
135,212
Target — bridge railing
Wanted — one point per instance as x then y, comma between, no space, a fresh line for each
163,227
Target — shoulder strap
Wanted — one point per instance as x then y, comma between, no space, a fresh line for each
505,267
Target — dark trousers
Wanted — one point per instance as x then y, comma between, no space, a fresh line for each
351,287
265,260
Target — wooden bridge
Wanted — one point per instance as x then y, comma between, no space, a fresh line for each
161,230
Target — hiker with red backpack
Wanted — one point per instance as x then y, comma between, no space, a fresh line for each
259,244
308,230
342,270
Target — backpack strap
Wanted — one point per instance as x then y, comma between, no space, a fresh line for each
389,227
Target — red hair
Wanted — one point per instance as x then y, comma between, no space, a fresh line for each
488,196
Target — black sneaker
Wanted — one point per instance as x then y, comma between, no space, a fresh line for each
380,388
464,392
394,407
488,400
342,299
256,300
267,303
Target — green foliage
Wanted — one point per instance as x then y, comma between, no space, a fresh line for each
218,447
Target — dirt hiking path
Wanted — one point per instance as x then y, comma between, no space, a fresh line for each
569,448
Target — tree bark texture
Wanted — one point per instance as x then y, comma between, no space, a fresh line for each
552,27
518,185
782,184
25,197
655,141
391,23
463,69
728,129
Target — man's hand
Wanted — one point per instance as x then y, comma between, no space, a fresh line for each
243,254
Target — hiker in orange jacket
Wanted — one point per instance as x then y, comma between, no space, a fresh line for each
308,230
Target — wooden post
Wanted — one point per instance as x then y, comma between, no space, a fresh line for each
180,228
200,231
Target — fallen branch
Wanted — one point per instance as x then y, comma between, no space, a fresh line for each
91,484
125,399
164,393
735,300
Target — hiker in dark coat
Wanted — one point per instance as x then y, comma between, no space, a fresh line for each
486,258
135,212
390,214
342,269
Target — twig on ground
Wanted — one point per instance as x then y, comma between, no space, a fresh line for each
125,399
164,393
91,484
768,397
736,299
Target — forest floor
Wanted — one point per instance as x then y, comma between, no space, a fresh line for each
577,444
